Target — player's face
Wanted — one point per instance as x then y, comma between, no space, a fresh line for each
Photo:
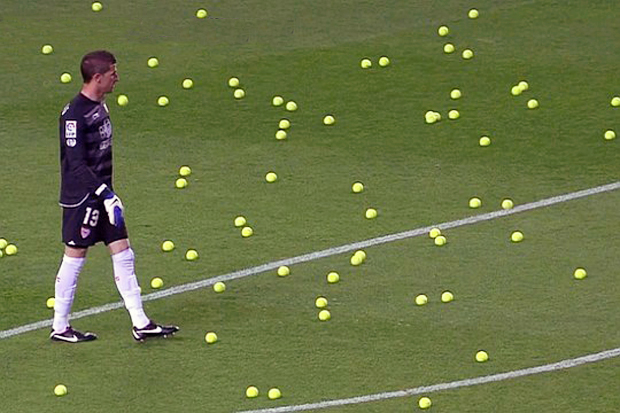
108,79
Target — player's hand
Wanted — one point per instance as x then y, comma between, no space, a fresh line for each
113,205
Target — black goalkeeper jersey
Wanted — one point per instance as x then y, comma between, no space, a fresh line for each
85,150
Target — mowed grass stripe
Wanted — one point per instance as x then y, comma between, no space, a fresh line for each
322,254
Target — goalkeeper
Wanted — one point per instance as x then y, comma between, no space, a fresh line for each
92,212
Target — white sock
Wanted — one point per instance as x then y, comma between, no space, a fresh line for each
127,285
64,290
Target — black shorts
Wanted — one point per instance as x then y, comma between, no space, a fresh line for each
88,224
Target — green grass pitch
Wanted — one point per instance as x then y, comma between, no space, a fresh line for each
518,301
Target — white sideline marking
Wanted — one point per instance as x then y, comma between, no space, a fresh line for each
560,365
321,254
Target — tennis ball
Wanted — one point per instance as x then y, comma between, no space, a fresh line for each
384,61
357,187
210,337
65,78
361,254
167,246
484,141
523,85
443,31
440,240
482,356
609,135
615,101
430,117
240,221
163,101
454,114
60,390
239,93
122,100
284,124
516,236
283,271
448,48
324,315
320,302
371,213
333,277
421,299
467,54
437,116
47,49
516,91
219,287
424,403
455,94
580,273
446,297
191,255
185,170
152,62
247,232
473,14
157,282
281,135
434,233
356,260
201,13
507,203
251,392
276,101
96,6
180,183
274,393
532,104
50,302
10,249
233,82
187,83
329,120
366,64
271,177
291,106
475,202
3,243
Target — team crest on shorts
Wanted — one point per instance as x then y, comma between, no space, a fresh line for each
84,232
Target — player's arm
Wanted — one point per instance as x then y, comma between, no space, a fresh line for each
74,140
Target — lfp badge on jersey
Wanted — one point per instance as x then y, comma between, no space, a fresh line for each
70,129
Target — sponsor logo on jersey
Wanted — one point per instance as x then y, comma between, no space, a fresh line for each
105,144
105,130
71,129
95,115
84,232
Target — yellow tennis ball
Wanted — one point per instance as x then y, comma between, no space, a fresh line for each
475,203
446,297
65,78
484,141
3,243
191,255
467,54
157,283
274,393
201,13
333,277
356,260
271,177
455,94
507,203
122,100
421,299
440,240
233,82
448,48
10,249
185,170
473,14
516,91
251,392
210,337
283,271
454,114
320,302
187,83
277,101
239,93
357,187
284,124
434,233
247,232
163,101
424,403
384,61
60,390
47,49
329,120
482,356
361,254
180,183
371,213
96,6
532,104
443,31
281,135
50,302
219,287
167,246
615,101
324,315
291,106
152,62
580,273
523,85
516,236
609,135
366,64
240,221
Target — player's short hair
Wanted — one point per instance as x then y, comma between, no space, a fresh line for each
98,61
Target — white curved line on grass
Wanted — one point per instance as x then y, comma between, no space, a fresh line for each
560,365
321,254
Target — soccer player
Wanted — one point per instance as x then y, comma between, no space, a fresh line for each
92,212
